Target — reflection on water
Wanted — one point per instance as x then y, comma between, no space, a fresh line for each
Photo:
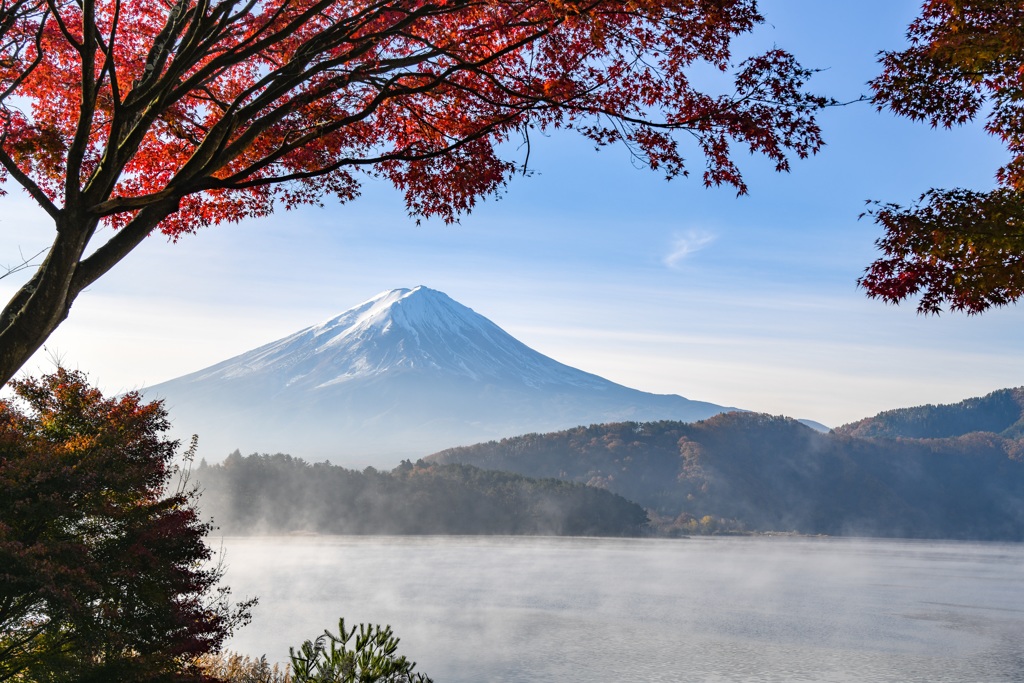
532,610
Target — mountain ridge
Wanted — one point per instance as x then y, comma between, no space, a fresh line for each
999,412
772,473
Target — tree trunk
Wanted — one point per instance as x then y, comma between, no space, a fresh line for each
44,302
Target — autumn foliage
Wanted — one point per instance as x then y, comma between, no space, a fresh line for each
958,248
170,116
104,573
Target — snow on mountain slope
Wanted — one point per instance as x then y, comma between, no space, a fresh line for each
404,374
397,331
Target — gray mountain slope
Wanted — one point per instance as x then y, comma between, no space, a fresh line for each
402,375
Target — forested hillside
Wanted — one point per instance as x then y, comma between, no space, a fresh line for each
1001,412
276,494
773,473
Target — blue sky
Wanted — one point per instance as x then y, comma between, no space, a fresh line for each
665,287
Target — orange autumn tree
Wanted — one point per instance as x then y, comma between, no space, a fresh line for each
104,572
162,115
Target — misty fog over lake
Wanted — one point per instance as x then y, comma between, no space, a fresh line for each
522,609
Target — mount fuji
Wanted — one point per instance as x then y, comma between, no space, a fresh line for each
407,373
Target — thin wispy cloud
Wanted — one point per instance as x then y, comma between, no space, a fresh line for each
685,244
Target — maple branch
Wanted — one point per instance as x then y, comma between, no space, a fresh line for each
405,155
30,186
122,243
25,264
109,68
253,44
62,25
123,204
387,90
10,17
281,81
133,125
87,109
130,124
162,47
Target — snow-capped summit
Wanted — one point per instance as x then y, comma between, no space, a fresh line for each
398,331
403,374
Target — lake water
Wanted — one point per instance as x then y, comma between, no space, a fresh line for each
533,610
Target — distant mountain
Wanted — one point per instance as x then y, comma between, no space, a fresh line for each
406,373
1001,412
772,473
816,426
